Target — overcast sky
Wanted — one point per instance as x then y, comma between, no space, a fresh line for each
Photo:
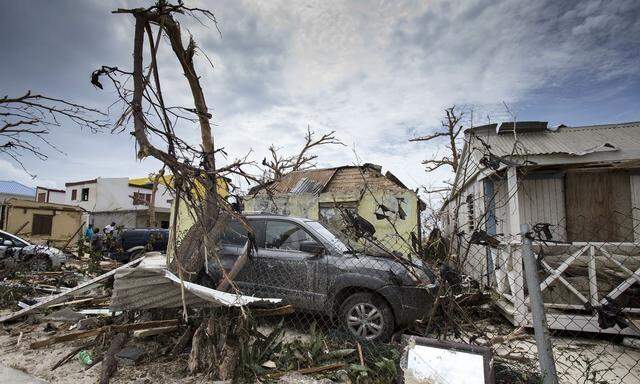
376,72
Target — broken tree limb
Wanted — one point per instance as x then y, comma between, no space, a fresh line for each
198,347
94,332
69,355
110,364
183,341
237,266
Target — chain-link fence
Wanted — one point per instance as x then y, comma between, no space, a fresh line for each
349,298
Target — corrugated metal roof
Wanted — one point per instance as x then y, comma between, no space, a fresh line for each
151,285
15,188
304,181
576,141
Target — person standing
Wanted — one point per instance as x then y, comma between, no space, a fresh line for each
88,234
110,228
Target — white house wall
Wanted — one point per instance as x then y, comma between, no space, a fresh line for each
541,200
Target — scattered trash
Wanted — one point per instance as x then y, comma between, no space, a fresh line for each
85,358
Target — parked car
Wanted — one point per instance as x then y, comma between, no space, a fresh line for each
17,252
131,243
302,262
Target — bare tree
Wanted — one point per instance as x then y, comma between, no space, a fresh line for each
194,167
278,165
451,128
26,122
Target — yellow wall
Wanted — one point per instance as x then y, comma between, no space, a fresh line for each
64,225
307,205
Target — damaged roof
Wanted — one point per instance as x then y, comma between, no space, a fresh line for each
619,140
319,180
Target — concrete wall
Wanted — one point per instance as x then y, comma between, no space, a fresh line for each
65,222
114,194
307,205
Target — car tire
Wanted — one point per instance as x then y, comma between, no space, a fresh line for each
367,316
39,263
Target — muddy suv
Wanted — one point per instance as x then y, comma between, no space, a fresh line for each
303,263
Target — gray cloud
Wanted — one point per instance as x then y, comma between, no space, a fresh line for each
376,73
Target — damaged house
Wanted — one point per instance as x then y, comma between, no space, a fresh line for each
326,194
121,200
578,188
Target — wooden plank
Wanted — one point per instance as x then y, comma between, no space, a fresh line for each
109,328
565,283
556,272
598,206
619,290
60,297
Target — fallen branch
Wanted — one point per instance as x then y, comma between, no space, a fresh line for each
264,312
141,333
183,341
69,355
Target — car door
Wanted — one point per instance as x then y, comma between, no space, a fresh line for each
231,246
282,269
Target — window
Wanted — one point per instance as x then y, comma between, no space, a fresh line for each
234,234
285,235
141,198
471,215
42,197
41,224
85,194
74,194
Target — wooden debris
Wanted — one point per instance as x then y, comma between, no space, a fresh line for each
110,364
361,355
60,297
141,333
72,302
516,334
109,328
69,355
198,347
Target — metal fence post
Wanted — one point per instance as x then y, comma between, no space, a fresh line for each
540,327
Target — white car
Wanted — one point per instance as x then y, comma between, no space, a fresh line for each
15,251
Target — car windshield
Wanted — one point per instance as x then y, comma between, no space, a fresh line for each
18,242
328,236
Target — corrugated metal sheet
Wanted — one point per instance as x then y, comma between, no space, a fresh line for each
576,141
151,285
290,181
307,186
15,188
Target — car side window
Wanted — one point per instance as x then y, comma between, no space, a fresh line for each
234,234
285,235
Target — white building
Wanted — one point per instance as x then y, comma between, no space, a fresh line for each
50,195
583,184
119,199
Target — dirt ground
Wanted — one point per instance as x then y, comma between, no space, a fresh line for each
38,362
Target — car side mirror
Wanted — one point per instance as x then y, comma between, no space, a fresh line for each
311,246
7,243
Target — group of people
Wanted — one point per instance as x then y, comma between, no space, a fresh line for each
95,238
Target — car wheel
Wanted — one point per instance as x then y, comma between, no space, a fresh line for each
39,263
367,316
